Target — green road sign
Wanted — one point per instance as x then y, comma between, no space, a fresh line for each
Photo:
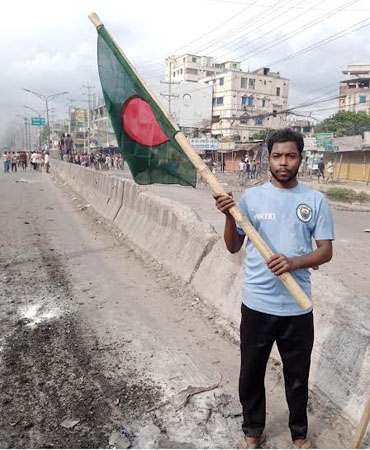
37,121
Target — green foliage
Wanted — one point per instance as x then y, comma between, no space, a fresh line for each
263,134
347,195
344,123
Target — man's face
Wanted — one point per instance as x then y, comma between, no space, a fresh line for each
284,160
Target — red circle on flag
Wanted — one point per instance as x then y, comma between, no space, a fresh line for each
140,123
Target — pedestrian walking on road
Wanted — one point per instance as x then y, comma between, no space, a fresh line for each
321,171
61,145
248,168
6,162
14,162
23,160
289,215
68,144
47,162
253,169
34,160
241,169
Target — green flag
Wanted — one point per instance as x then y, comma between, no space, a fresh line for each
144,134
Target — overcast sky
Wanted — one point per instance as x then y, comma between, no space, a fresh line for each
50,46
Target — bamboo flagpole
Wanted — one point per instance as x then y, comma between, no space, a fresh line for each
287,279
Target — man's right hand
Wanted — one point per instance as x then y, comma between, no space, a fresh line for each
224,202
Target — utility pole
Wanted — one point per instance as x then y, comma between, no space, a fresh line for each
70,106
89,94
170,96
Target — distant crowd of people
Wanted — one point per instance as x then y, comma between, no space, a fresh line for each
97,160
249,168
37,160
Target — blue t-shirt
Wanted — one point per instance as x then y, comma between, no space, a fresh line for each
287,220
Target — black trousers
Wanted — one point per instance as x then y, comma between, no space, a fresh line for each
294,338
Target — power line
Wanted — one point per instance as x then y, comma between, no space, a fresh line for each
325,41
297,31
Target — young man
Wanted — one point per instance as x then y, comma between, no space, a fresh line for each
287,215
47,161
320,171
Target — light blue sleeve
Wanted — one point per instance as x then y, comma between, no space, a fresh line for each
243,208
324,226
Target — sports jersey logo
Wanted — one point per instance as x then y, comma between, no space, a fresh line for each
265,216
304,213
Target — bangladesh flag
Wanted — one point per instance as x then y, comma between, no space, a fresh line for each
144,134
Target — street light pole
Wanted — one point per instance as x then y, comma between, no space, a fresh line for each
39,116
46,99
27,135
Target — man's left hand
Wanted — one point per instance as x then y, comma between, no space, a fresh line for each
279,264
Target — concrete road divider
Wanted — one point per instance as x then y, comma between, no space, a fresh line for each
172,233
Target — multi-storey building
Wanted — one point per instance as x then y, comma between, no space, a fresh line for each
190,67
101,128
354,92
246,102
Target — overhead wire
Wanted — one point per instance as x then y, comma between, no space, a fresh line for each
325,41
297,31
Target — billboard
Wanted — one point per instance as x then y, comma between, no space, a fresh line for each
191,103
324,142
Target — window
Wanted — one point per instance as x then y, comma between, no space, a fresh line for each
362,98
250,101
209,73
244,100
193,59
181,71
258,121
263,103
219,100
243,120
274,113
244,83
221,81
278,91
173,74
252,83
264,82
192,71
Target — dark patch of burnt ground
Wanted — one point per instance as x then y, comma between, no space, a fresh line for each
57,369
50,373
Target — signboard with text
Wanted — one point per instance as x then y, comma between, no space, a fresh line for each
324,141
37,121
204,144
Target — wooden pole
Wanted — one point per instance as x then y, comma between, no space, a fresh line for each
287,279
340,167
362,426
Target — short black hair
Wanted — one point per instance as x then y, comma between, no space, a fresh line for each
286,135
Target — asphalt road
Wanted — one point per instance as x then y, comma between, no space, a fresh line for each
96,333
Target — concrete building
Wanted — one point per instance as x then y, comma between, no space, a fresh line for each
247,102
101,134
192,68
354,92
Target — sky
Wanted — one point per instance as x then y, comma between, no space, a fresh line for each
49,46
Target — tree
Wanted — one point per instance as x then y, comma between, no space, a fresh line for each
344,123
263,134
